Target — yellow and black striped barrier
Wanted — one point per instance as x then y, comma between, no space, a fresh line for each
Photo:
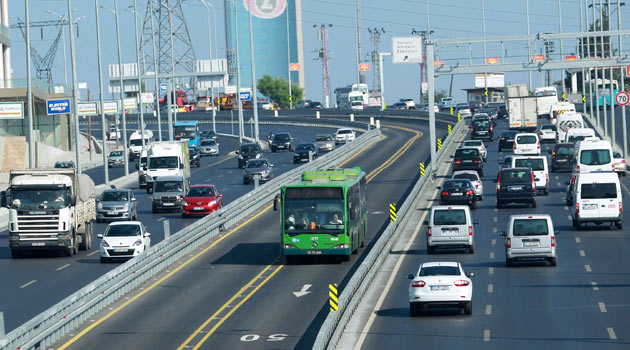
450,129
392,211
439,144
422,169
452,110
459,117
332,294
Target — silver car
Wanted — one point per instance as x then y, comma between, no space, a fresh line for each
116,158
116,204
209,147
257,167
530,236
324,142
168,193
450,226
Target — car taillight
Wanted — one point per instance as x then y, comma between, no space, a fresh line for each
577,207
533,182
623,161
458,161
577,168
514,146
499,183
547,177
553,241
418,284
444,193
429,232
470,230
538,145
491,128
461,283
508,242
540,133
477,160
553,154
472,129
470,193
620,207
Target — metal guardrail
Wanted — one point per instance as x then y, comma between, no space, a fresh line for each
53,324
332,329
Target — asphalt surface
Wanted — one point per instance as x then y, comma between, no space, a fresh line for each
580,304
32,285
240,294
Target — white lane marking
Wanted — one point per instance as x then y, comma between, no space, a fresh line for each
569,217
578,240
602,307
588,268
582,253
557,177
496,210
491,255
494,230
221,175
594,284
28,284
231,171
566,208
488,309
611,333
491,271
486,335
494,241
160,219
495,219
92,253
62,267
490,288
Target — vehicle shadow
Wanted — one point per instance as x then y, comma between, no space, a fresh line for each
404,312
249,254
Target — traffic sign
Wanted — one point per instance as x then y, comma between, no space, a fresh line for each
407,49
245,96
163,87
58,106
628,72
492,60
622,98
364,67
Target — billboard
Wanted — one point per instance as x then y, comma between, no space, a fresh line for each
494,80
58,106
87,108
11,110
110,107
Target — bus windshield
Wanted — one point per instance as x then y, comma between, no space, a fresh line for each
314,210
185,132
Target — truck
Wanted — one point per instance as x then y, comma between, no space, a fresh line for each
135,143
49,210
521,108
167,158
546,97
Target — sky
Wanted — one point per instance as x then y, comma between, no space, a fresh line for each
452,19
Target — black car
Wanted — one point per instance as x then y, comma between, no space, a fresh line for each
502,111
516,185
248,151
281,141
316,105
195,157
562,156
302,151
481,129
303,104
475,105
491,112
399,105
506,141
208,134
468,158
458,191
64,164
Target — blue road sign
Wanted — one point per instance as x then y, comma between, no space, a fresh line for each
58,106
163,87
245,96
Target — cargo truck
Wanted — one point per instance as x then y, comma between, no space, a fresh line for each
49,210
521,108
167,158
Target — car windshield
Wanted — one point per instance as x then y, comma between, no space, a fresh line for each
516,177
617,155
439,271
282,138
64,165
323,138
474,143
508,135
115,196
530,227
545,93
135,142
565,149
163,163
481,124
27,198
344,131
313,210
536,164
454,184
526,139
304,147
169,186
470,153
548,127
185,131
208,143
257,163
467,176
123,231
116,153
599,191
201,192
250,149
449,217
595,157
192,151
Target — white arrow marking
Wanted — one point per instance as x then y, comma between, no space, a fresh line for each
303,291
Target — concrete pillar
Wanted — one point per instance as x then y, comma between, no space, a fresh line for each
2,67
574,83
351,117
6,50
317,114
371,120
378,124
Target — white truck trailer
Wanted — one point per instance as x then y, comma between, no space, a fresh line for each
521,108
167,158
49,209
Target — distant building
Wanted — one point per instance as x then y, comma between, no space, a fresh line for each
269,20
5,44
478,94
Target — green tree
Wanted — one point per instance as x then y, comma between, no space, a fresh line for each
440,94
277,89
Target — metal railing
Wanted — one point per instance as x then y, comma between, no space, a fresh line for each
333,327
58,321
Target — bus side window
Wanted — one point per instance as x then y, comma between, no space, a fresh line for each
276,202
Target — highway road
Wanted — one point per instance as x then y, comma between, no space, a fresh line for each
34,284
618,127
580,304
239,293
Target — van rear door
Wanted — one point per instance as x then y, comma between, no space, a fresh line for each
599,200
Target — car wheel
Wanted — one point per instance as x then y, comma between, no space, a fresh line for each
553,169
480,197
468,308
98,221
414,309
534,204
553,261
430,250
619,225
546,191
154,210
499,204
245,182
273,150
576,224
509,262
104,260
473,204
471,249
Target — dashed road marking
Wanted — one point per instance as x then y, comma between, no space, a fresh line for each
28,284
491,255
62,267
602,307
578,240
495,219
162,218
494,241
496,210
494,230
559,183
486,335
490,288
588,268
557,177
491,271
488,309
611,333
595,286
569,217
566,208
582,253
92,253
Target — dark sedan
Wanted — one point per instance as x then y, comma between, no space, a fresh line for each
563,156
302,152
195,157
458,191
506,141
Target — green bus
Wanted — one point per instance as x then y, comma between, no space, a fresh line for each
324,213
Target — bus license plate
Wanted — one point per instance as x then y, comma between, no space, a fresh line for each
314,252
38,244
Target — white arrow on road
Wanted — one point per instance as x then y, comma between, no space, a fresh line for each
304,291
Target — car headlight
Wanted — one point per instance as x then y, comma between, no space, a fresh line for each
329,145
99,206
266,172
137,243
258,155
296,154
240,156
212,202
104,244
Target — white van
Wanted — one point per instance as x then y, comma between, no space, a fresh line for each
560,108
539,165
578,134
530,236
135,143
450,227
568,121
595,155
598,199
546,97
526,143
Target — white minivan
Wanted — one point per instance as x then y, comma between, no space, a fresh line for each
560,108
578,134
450,227
526,143
540,167
598,199
566,121
529,237
594,155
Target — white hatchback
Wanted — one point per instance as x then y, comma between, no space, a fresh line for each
478,144
123,239
344,135
473,176
440,284
526,143
548,133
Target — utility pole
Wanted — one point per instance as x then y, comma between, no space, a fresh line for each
29,93
100,92
289,57
77,134
156,69
357,22
241,129
622,77
322,35
254,95
375,34
423,66
529,44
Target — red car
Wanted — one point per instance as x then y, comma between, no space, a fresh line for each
201,200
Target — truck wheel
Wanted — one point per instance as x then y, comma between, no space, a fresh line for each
16,254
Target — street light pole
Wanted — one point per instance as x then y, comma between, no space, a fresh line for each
529,44
254,96
214,112
156,72
169,90
29,90
289,57
380,64
100,92
135,22
238,77
77,134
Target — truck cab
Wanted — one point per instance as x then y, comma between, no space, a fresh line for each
167,158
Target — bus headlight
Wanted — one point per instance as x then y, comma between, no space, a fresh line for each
288,246
342,246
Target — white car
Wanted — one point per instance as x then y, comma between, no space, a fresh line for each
344,135
620,163
526,143
409,102
474,177
442,284
547,133
123,239
113,133
479,145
